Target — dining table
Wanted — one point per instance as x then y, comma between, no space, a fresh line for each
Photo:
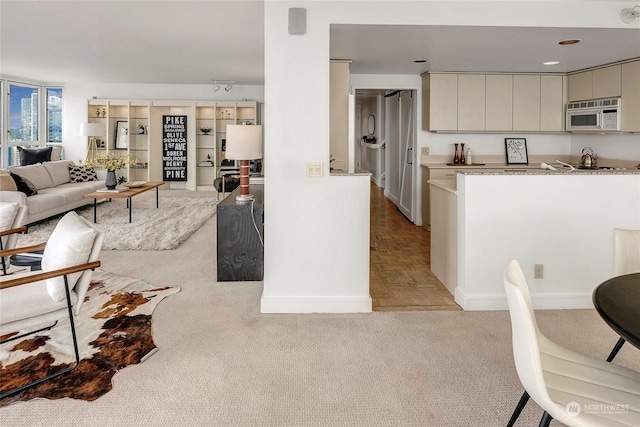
617,300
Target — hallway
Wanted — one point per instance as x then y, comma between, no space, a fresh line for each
400,279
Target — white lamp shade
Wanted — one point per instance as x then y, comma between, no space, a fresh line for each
244,142
92,129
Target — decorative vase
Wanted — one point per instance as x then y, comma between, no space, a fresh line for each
111,181
456,154
462,158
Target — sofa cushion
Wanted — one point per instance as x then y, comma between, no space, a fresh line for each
6,182
24,185
58,171
70,244
37,174
31,156
82,173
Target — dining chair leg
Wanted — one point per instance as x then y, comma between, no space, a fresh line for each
616,349
546,420
521,404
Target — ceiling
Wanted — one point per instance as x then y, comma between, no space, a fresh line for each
195,42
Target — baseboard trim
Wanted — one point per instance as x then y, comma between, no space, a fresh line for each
540,302
315,305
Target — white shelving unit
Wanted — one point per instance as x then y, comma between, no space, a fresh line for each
143,120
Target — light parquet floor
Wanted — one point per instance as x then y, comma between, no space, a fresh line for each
400,278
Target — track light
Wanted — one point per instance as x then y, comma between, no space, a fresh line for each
628,15
217,85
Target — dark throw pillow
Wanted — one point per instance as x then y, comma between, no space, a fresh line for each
80,173
31,156
24,185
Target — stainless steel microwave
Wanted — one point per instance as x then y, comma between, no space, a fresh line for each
595,115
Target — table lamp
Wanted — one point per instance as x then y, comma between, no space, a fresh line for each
244,143
92,130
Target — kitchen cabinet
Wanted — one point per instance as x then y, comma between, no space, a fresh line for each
339,113
499,102
552,101
631,96
526,103
493,102
428,174
440,102
603,82
471,102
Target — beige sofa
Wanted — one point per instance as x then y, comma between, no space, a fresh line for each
55,192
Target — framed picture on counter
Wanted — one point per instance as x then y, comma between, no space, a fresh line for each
516,149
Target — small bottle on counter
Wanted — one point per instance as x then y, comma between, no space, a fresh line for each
468,158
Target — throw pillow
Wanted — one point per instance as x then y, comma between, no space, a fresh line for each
30,156
70,244
24,185
82,173
6,182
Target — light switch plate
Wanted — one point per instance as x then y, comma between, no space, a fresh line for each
424,151
314,169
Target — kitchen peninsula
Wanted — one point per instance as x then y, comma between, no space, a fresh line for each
562,220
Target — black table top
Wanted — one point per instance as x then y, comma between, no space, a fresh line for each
618,302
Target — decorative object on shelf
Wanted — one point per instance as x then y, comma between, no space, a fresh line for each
205,131
516,151
140,129
244,143
456,153
468,159
104,113
122,135
463,159
92,130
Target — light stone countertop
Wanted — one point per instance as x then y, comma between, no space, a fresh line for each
342,172
539,171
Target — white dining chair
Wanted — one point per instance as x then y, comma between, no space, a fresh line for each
626,260
572,388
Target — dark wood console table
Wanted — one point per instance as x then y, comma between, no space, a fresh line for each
240,253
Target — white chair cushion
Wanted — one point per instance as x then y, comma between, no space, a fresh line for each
58,171
70,244
8,213
37,174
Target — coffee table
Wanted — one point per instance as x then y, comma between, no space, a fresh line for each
127,194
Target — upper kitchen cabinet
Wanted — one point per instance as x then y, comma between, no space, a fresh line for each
440,102
471,102
526,103
595,84
631,97
339,113
499,102
552,100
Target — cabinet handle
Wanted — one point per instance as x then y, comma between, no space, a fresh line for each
410,155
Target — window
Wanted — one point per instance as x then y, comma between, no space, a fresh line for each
54,115
23,113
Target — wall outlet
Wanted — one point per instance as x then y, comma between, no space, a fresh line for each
424,151
538,271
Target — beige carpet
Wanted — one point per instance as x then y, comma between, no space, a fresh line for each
222,363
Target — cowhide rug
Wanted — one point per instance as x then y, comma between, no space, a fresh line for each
113,330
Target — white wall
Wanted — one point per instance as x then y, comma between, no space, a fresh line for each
76,96
564,222
622,147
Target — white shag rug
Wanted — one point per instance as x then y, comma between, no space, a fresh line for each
151,229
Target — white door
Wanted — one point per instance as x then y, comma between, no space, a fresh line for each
406,154
392,144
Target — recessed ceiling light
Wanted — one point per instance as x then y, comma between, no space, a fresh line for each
419,61
569,41
551,63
